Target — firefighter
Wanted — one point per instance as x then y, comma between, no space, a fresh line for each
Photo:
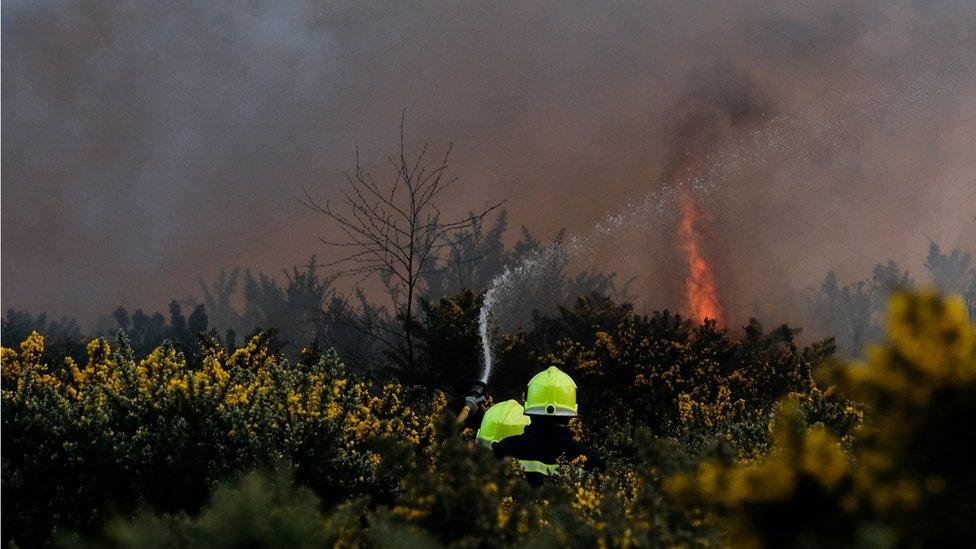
501,421
550,402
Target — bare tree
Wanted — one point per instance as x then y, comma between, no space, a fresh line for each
394,230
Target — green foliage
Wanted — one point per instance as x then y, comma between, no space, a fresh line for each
664,374
293,309
914,470
477,256
853,314
951,272
255,511
64,336
450,341
145,333
910,479
159,431
704,439
954,273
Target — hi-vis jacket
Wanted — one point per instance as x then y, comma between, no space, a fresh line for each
539,449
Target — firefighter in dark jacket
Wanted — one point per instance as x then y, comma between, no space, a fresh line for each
550,400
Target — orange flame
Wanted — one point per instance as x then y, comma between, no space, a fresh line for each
700,285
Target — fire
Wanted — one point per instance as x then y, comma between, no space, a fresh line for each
700,285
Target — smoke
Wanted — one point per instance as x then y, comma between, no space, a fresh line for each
147,143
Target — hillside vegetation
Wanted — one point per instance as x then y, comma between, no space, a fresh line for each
705,438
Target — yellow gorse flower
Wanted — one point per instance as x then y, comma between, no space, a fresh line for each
252,392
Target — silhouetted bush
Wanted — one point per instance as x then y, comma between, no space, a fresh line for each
64,336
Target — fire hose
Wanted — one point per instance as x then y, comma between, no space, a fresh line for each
476,397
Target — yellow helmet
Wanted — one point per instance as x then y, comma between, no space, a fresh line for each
502,421
551,393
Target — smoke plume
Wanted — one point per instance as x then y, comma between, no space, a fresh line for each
147,143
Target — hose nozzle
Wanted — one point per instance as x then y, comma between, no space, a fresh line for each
474,400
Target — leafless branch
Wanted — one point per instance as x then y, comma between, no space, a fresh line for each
394,230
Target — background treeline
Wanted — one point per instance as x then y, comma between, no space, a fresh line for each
852,312
303,304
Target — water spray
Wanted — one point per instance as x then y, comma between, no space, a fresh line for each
527,275
487,358
531,271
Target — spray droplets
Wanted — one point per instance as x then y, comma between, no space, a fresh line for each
536,270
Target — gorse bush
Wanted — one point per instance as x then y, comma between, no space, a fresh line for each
256,511
910,481
661,373
122,432
62,337
702,438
